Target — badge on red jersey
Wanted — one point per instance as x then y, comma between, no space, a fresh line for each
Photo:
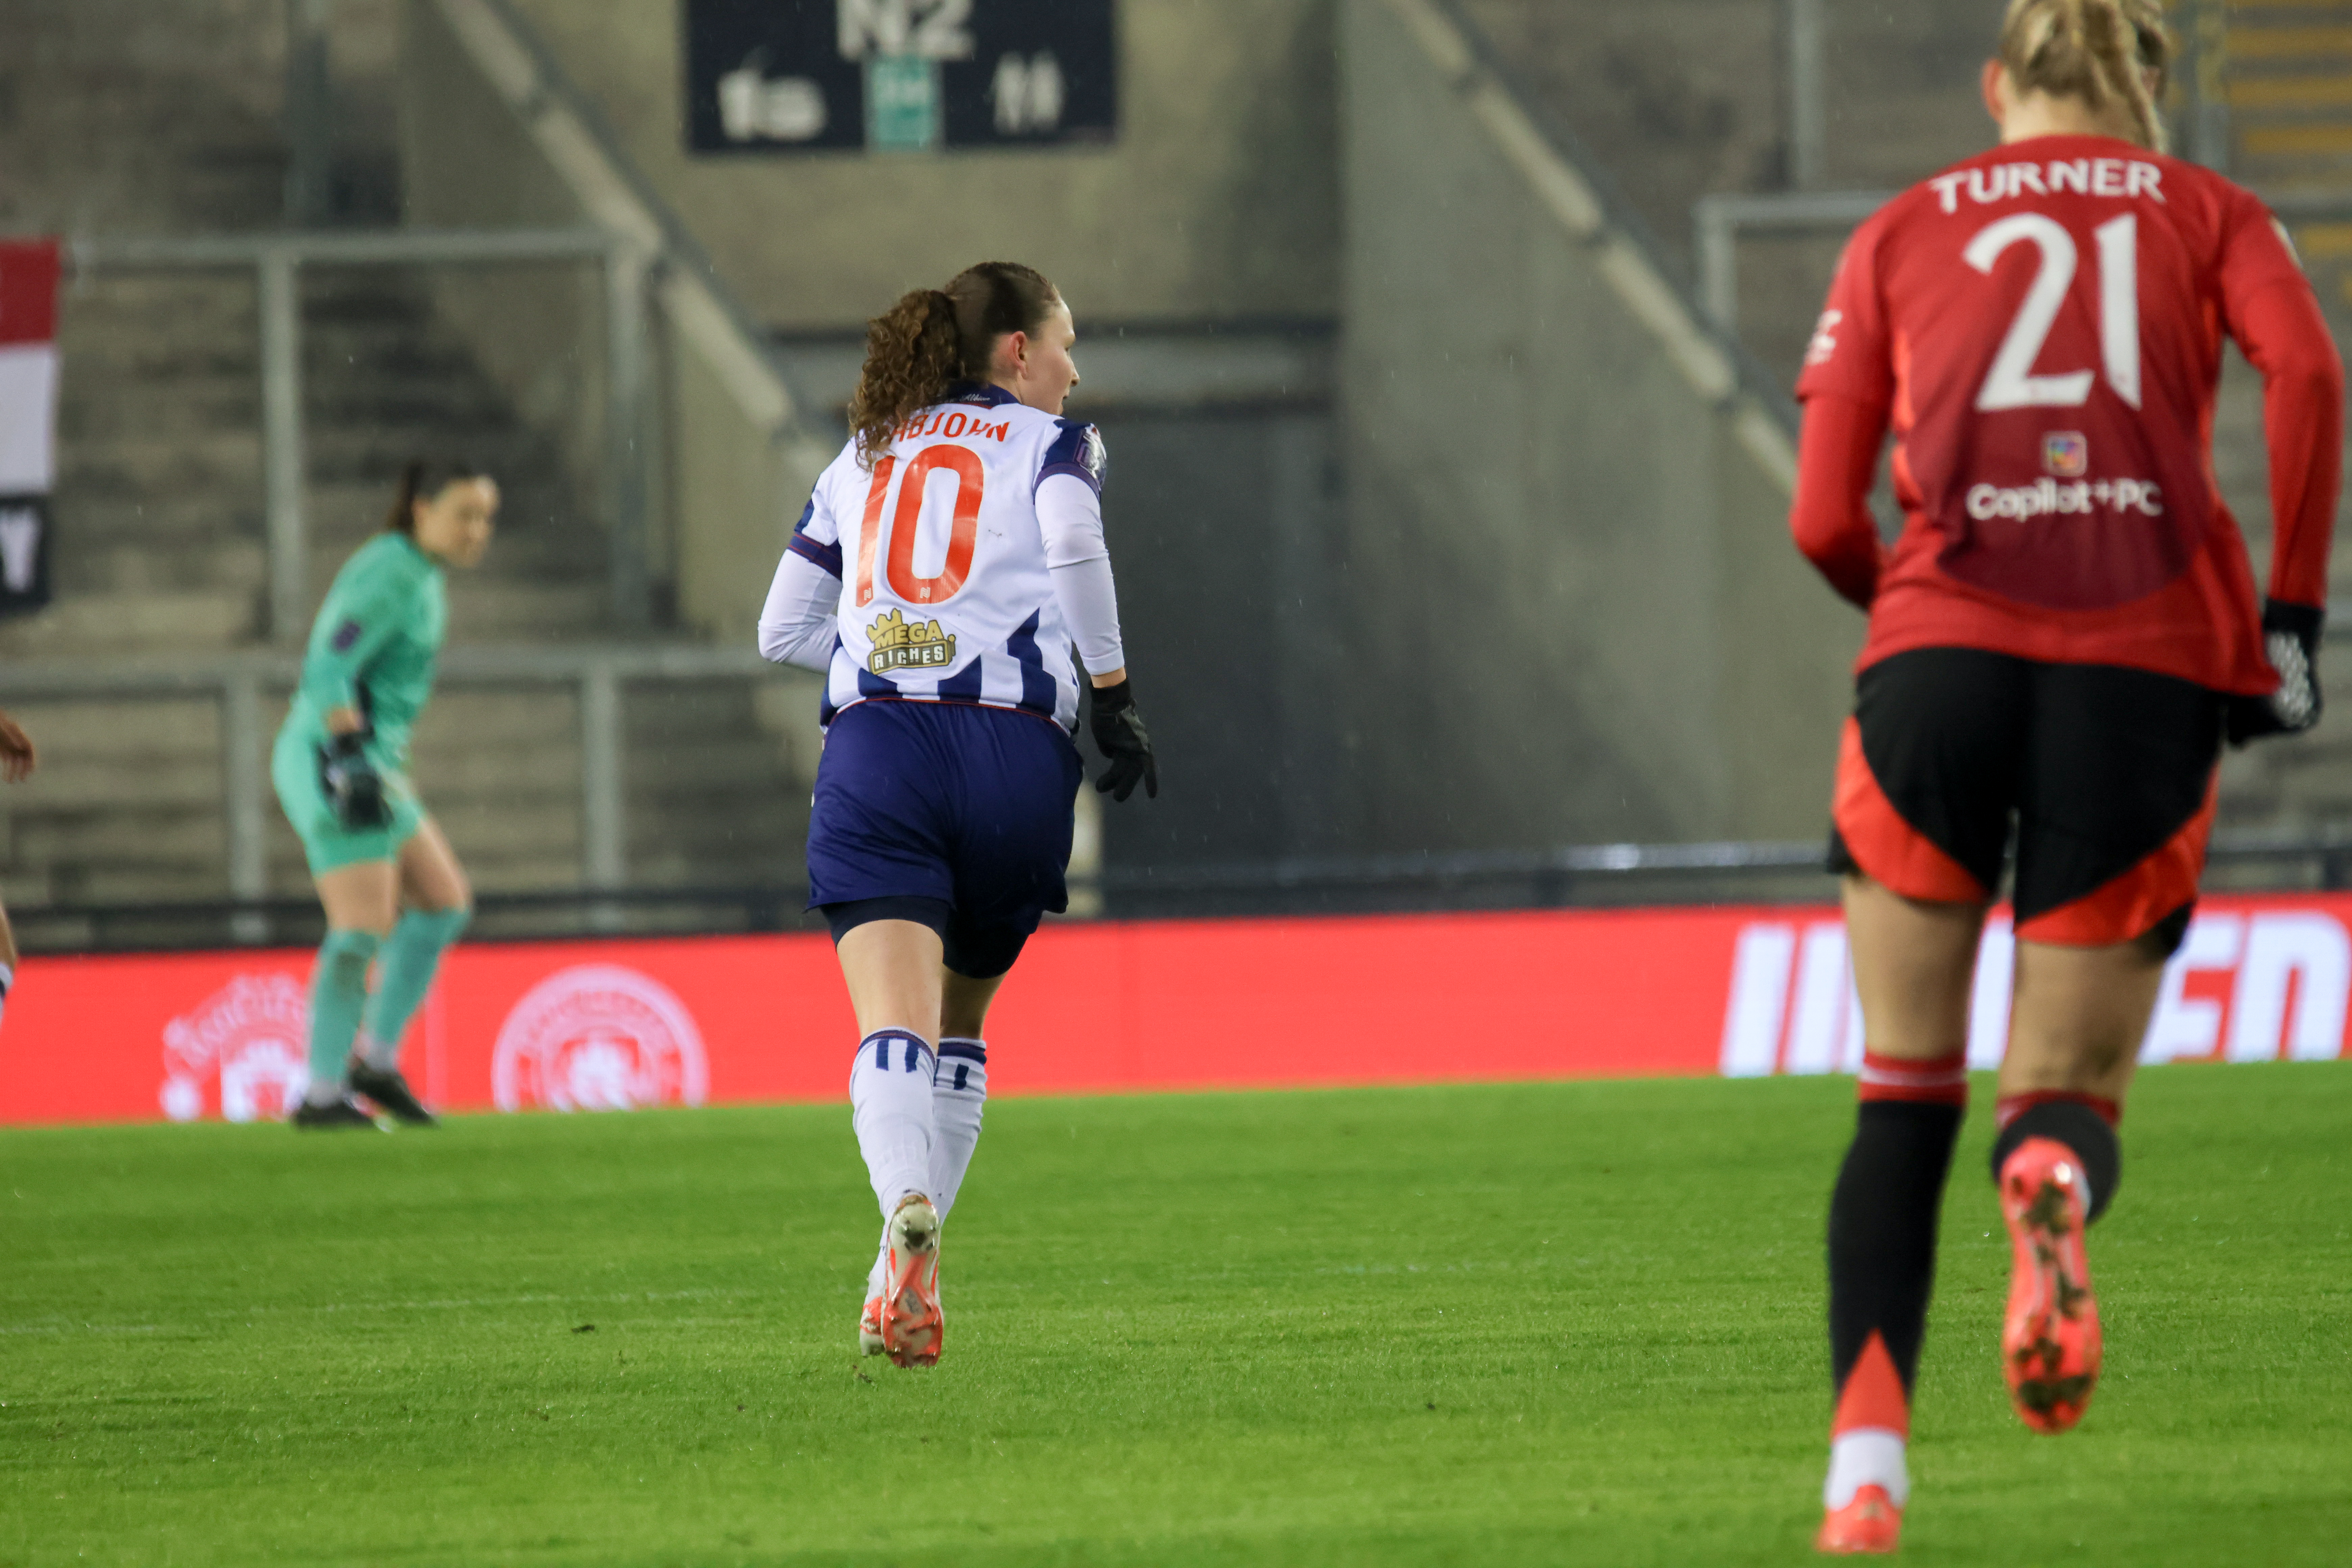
2066,453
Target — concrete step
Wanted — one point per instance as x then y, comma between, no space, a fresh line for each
230,565
124,299
2327,94
492,610
517,716
135,884
165,522
148,732
720,847
138,465
2329,139
66,782
190,840
369,453
141,622
485,831
494,769
138,407
2293,45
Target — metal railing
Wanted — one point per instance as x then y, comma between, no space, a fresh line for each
277,262
238,682
1718,221
1592,876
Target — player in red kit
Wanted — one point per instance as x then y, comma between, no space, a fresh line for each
2059,643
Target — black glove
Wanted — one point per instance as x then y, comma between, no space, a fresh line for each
1124,743
2290,640
352,786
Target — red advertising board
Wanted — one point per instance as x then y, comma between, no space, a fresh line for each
1115,1006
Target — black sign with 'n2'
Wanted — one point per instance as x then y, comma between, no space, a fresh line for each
810,75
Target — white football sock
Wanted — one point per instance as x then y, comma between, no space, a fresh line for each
375,1053
958,1095
890,1108
1865,1456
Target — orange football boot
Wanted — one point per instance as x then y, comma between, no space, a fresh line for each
869,1327
1871,1522
2050,1342
912,1322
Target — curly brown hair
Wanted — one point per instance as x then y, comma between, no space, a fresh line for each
933,337
2100,52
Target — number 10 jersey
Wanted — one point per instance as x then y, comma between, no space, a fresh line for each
945,591
2043,324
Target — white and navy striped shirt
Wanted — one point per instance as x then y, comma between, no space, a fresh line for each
943,576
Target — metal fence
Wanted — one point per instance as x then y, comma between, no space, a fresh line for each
1596,875
239,680
278,262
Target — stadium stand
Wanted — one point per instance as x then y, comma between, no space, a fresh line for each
1680,696
157,120
1665,92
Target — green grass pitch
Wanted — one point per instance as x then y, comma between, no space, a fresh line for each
1572,1323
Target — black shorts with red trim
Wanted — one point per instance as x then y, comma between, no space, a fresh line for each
2108,776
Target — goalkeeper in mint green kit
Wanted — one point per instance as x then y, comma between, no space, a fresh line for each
395,897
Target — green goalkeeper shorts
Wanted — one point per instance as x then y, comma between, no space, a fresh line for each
327,844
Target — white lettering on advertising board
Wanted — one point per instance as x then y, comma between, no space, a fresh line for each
2245,987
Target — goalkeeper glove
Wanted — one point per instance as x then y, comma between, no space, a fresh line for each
353,787
2291,641
1124,743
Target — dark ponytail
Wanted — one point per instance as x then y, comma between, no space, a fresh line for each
423,478
933,337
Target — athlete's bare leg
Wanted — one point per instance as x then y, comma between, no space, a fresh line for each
361,897
894,969
8,941
2078,1018
431,880
963,1005
1913,967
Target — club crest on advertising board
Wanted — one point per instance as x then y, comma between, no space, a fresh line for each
244,1051
598,1036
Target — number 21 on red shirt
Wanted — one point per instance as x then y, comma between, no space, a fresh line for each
2010,383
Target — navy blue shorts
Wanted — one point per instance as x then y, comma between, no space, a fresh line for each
954,816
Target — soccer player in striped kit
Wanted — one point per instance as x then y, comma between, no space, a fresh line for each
2061,640
948,566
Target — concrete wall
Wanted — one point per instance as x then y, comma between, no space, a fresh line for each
1218,199
467,164
728,464
1576,615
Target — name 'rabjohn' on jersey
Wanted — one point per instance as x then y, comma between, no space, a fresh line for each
945,592
2046,321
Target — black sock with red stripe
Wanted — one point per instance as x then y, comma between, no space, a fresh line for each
2084,1122
1883,1223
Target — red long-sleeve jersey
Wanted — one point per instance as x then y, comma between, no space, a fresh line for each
2041,325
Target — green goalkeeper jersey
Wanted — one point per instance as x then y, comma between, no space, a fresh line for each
374,645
